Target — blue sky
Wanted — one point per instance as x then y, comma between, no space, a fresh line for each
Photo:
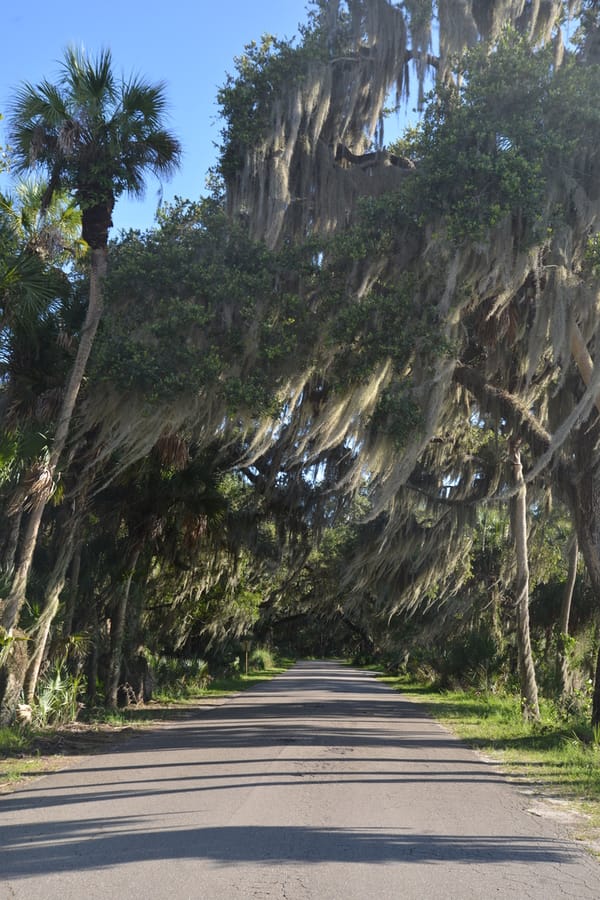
188,44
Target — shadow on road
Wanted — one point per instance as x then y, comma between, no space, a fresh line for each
110,842
346,731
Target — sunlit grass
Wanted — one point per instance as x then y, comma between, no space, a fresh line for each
559,754
14,769
13,741
16,759
223,686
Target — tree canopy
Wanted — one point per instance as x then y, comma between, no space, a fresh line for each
356,383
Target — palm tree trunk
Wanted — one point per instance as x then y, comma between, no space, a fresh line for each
12,674
138,674
584,492
584,497
10,608
71,602
529,692
93,659
118,634
56,583
565,613
10,548
43,626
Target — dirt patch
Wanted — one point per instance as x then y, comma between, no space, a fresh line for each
77,740
56,749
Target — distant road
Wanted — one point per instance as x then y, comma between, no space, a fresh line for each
320,784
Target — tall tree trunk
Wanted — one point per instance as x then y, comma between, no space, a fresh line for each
138,674
565,614
583,494
529,692
12,674
43,626
10,548
56,582
67,626
117,634
10,607
93,658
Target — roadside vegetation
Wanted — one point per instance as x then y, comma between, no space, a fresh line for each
42,743
556,759
347,403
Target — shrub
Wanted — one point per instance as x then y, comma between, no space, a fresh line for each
57,697
178,677
260,659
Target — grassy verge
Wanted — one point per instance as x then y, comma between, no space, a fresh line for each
557,758
18,757
26,752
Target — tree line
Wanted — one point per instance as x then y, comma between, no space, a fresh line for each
347,400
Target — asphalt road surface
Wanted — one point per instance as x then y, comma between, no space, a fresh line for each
320,784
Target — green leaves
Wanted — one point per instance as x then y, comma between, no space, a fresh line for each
187,310
247,99
486,150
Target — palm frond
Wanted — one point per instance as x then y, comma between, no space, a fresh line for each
89,81
25,288
144,102
93,136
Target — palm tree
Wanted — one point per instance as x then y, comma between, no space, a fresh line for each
50,230
95,137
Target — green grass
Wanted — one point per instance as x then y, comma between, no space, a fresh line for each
558,756
166,704
17,756
14,741
220,687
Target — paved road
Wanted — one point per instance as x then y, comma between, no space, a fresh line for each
321,784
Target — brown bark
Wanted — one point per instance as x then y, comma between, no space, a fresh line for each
56,582
117,634
529,692
565,613
10,548
10,607
67,626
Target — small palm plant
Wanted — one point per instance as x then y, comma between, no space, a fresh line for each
57,697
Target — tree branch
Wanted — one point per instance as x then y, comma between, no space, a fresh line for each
511,406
